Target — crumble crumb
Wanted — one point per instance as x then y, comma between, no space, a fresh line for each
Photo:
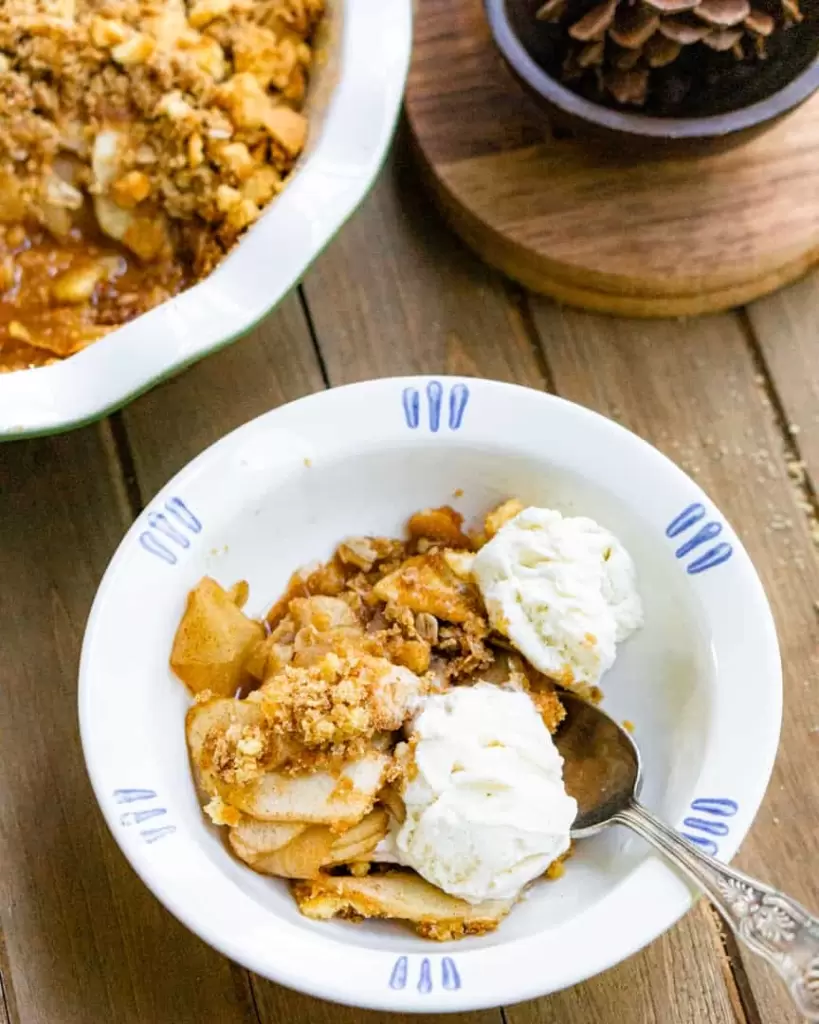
221,813
339,703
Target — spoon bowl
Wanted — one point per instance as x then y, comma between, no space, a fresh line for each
602,769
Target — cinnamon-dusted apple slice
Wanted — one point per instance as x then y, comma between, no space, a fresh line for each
214,639
323,613
235,755
427,583
356,844
229,743
266,848
400,895
317,798
251,838
391,799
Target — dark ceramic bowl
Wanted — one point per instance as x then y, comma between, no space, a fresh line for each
778,88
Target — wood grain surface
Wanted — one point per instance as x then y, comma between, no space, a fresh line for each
609,232
280,1006
81,940
276,363
413,309
787,328
413,299
164,430
84,941
693,390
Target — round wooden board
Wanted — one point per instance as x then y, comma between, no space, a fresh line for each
635,236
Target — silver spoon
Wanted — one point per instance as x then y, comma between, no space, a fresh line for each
602,771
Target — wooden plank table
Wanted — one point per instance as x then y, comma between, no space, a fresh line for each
733,398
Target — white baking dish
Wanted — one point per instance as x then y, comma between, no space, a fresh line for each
355,99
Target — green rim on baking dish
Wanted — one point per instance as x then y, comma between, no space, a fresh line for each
356,104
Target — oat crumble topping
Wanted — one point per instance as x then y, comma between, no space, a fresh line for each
138,140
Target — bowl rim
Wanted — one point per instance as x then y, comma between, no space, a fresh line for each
324,191
740,749
713,127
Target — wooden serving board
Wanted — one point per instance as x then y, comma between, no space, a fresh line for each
650,236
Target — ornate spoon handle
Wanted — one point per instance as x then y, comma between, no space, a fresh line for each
766,921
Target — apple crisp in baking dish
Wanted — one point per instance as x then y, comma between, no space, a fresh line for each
138,140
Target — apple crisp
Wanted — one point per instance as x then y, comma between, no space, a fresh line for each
298,731
138,140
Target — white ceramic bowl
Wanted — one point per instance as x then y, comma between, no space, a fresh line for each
354,101
701,680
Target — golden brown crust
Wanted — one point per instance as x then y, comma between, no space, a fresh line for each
557,869
401,895
500,516
426,583
439,526
337,704
155,130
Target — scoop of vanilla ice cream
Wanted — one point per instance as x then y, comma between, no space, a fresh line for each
486,807
562,589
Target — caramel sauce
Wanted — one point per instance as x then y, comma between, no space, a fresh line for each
36,328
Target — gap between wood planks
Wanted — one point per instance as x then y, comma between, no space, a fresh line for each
702,385
123,458
415,301
155,436
804,486
8,1006
799,470
736,977
311,327
357,346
